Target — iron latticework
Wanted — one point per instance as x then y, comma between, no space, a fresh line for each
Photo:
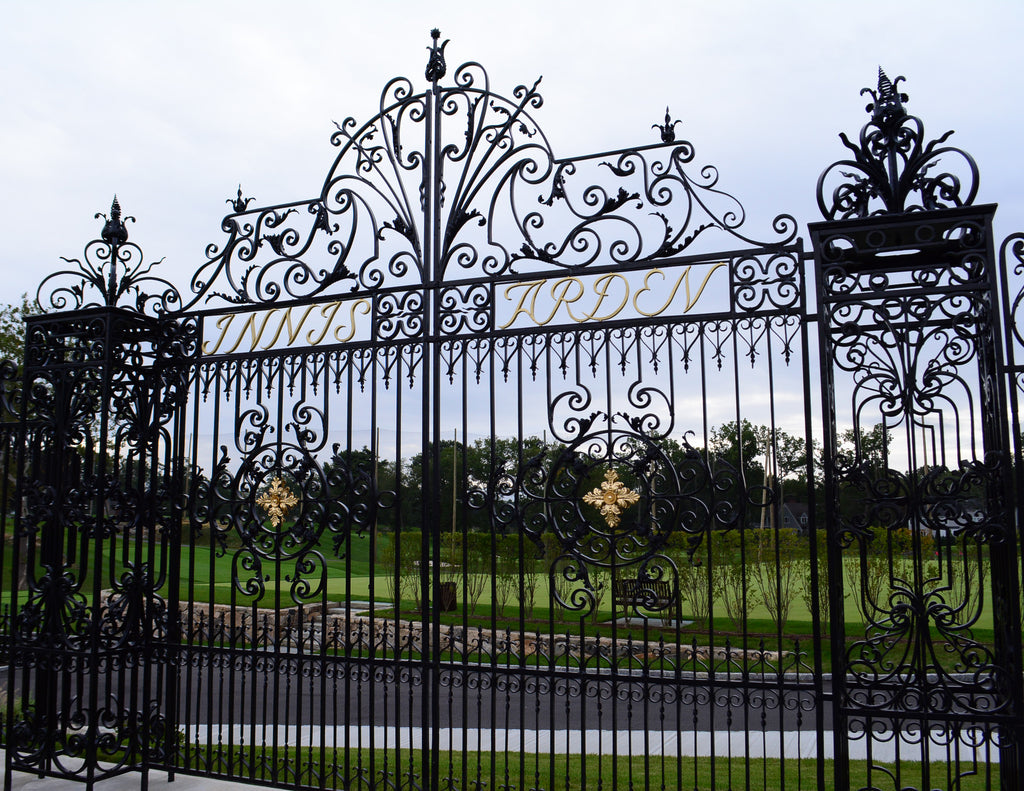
917,491
893,167
489,468
96,532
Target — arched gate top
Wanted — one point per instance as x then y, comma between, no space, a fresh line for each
457,182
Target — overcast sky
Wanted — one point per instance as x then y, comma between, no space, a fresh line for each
171,105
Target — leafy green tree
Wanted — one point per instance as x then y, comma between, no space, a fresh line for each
751,450
741,445
12,329
868,448
474,479
12,349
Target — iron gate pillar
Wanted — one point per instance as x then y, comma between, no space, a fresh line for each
916,453
97,536
910,334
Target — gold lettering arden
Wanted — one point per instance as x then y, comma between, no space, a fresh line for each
605,297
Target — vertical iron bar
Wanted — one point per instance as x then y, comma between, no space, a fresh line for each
430,452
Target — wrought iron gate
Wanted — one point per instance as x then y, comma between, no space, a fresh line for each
486,468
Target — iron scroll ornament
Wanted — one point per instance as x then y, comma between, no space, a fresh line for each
892,167
655,495
610,503
111,273
285,508
488,199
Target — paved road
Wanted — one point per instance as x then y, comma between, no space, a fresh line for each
471,696
253,690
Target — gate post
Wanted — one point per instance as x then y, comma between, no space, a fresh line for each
99,525
917,463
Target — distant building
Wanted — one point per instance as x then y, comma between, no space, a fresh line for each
796,516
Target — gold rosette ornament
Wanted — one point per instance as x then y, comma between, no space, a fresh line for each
612,497
277,501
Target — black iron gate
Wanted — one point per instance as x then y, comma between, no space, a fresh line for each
488,469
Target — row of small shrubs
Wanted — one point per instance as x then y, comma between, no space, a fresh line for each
474,561
728,573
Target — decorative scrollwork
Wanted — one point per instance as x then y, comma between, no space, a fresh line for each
112,267
892,163
655,496
488,199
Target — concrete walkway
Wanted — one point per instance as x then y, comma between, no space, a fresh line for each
126,782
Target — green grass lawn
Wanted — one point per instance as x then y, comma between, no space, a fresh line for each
207,576
349,579
544,772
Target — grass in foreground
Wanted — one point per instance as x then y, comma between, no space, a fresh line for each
339,768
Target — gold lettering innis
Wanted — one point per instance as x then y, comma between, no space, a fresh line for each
605,297
223,324
328,312
293,329
287,327
364,309
254,333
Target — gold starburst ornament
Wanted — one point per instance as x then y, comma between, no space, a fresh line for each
612,497
277,501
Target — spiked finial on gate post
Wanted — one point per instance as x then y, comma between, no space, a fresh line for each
112,270
115,234
239,204
887,108
436,67
668,129
893,169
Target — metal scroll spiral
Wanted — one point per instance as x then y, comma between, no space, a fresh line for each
907,370
289,511
919,646
111,273
611,500
893,169
506,204
1011,261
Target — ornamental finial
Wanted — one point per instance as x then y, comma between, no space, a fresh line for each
239,204
887,107
113,269
436,68
114,231
894,168
668,129
115,234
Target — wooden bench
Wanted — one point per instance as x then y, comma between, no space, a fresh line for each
653,595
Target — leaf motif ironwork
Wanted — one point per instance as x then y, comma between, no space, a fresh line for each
504,204
111,273
611,498
277,500
892,166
